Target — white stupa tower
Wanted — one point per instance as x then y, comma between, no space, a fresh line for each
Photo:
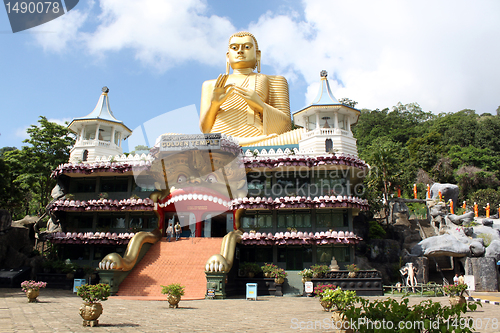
327,123
98,134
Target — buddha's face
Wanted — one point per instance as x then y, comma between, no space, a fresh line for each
242,52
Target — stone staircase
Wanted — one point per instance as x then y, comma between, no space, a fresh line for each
181,261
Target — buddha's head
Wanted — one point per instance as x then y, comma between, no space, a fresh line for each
243,51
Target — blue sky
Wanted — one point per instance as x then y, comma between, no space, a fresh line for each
155,54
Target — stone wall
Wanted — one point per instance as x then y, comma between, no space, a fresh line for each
484,271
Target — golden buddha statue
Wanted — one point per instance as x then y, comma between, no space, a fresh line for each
249,106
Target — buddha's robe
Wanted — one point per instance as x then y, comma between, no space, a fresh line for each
236,118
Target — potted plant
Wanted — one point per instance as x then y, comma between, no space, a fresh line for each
456,293
103,195
319,270
92,296
279,275
341,300
306,274
174,292
69,269
32,289
250,269
353,269
267,269
319,290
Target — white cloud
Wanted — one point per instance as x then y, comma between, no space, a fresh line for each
22,133
61,122
440,54
162,33
57,34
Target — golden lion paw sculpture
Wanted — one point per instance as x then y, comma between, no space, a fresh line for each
114,261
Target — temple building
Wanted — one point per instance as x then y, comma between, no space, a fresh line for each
260,192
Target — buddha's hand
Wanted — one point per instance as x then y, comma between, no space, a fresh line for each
221,92
251,97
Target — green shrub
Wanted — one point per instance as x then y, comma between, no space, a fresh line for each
319,270
375,230
340,299
174,289
482,197
433,316
250,267
93,293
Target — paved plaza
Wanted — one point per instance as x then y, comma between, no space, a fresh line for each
57,311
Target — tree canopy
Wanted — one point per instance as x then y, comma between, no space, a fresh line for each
26,171
461,148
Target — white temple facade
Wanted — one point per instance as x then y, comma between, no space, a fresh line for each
98,134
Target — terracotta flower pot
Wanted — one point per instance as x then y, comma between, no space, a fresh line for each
351,274
173,301
456,300
340,322
305,279
327,305
279,280
32,294
90,312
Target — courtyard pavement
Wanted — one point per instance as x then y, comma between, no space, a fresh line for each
57,311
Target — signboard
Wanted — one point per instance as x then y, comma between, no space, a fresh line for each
179,142
78,283
309,287
210,292
470,282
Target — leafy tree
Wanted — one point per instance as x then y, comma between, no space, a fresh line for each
139,147
488,136
457,128
348,102
471,179
425,151
384,158
482,198
48,146
5,150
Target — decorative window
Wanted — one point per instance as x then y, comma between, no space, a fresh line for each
328,145
259,181
106,222
114,184
79,221
142,222
324,254
294,219
330,182
82,185
331,219
257,221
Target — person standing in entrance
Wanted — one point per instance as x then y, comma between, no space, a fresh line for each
178,231
455,280
170,232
